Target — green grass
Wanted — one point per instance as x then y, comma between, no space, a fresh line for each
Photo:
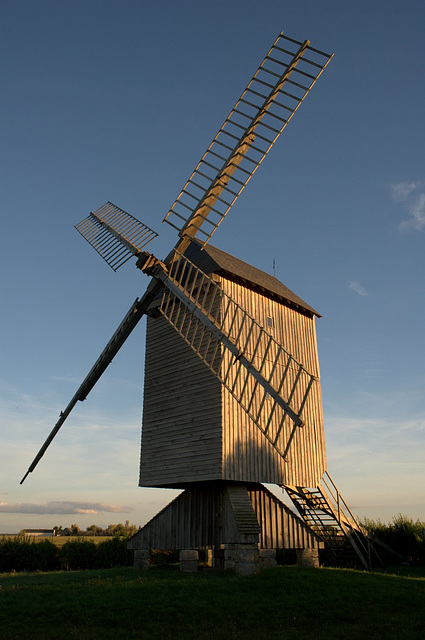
283,603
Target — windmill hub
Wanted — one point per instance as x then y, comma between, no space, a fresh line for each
149,264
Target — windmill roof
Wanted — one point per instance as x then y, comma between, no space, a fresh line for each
213,260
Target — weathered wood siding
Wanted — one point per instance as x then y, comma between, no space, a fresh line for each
181,427
188,522
247,455
202,516
210,515
280,527
194,430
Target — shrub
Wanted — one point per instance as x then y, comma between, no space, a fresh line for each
402,535
46,556
113,553
79,554
23,554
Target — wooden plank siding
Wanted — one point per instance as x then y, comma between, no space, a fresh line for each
188,522
181,429
280,527
247,455
206,516
193,428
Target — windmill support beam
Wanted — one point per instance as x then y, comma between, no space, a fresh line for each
230,519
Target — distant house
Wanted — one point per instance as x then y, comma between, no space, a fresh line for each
40,533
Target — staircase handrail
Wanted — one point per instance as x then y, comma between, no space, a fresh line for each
338,499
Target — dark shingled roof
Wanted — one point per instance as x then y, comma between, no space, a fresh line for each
213,260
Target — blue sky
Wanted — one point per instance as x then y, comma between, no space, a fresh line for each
117,101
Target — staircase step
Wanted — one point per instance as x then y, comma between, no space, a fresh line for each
343,537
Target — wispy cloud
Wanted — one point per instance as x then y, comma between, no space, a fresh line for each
86,508
417,215
412,197
355,286
401,190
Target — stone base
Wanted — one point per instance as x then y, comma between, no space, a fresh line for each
267,558
189,560
308,558
141,559
243,559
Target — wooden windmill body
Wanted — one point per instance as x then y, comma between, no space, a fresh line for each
232,387
193,429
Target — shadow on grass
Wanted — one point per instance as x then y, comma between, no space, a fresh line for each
285,602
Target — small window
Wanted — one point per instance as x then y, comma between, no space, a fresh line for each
270,322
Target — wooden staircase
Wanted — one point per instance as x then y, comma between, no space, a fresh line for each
324,510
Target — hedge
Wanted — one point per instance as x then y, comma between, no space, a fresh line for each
23,554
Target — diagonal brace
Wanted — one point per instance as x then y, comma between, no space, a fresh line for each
159,273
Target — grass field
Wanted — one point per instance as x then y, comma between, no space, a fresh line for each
59,541
283,603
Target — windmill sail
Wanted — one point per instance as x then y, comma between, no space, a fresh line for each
270,385
278,87
115,234
129,322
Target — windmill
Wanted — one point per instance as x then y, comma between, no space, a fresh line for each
232,390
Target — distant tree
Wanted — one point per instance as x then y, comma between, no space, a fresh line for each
94,530
75,530
119,530
130,529
125,530
110,529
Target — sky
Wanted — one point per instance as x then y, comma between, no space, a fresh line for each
118,100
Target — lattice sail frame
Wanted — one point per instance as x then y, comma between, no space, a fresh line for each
268,383
271,98
116,235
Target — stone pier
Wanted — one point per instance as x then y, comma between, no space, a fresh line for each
141,559
308,558
189,560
